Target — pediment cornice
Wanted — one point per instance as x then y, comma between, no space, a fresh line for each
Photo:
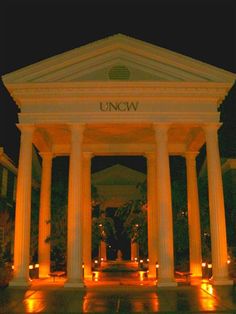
41,92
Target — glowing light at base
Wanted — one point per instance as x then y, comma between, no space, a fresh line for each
141,275
35,305
95,275
206,299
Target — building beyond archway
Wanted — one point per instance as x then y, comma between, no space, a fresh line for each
116,186
117,96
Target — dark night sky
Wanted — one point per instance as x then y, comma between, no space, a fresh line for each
204,30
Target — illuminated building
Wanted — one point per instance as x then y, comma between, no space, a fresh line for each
123,96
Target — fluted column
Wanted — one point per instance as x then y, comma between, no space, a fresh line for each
75,232
217,210
45,215
152,213
195,252
23,209
164,205
87,215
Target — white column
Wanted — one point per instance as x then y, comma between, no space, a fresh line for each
23,210
216,206
152,214
45,215
87,216
195,252
75,232
164,205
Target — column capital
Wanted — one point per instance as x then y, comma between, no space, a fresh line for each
161,126
214,126
26,128
191,154
46,155
77,126
161,131
77,130
88,155
150,155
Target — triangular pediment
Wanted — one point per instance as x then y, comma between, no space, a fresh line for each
119,57
118,175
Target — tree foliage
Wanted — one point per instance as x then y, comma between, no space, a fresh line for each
103,228
133,215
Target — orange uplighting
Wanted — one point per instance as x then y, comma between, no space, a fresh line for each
141,275
207,287
96,275
207,301
35,305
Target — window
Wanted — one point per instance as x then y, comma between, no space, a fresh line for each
119,72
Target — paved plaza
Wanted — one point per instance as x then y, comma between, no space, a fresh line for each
51,297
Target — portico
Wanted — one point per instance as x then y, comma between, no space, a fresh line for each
120,96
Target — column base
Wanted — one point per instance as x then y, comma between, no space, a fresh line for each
166,283
23,283
74,284
221,282
152,271
44,276
195,280
88,277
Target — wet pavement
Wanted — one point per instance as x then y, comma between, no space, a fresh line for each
125,299
118,292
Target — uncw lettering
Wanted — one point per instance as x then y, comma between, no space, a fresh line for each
119,106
